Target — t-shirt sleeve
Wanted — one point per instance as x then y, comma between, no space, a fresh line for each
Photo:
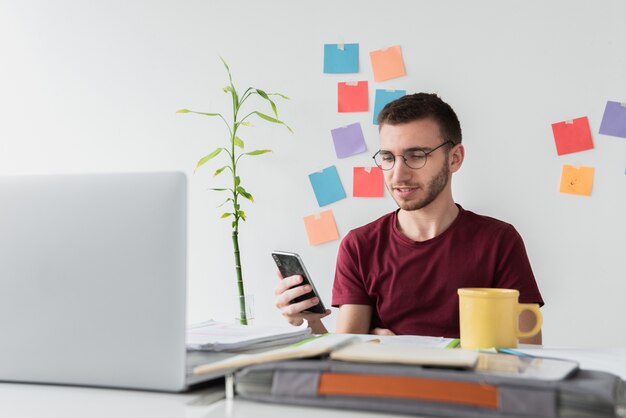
514,270
349,286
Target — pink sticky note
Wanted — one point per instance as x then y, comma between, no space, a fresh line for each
321,228
352,96
387,63
368,182
572,136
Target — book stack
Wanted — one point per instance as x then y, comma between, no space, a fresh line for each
221,336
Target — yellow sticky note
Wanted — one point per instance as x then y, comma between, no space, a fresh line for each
387,63
321,228
577,180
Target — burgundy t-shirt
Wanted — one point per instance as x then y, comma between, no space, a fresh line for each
412,286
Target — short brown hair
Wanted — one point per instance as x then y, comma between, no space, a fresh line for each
423,106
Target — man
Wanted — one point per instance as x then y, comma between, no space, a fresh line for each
400,273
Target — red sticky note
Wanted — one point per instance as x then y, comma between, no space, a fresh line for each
321,228
368,182
572,136
352,96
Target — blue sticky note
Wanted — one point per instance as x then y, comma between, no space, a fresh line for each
341,58
327,186
383,97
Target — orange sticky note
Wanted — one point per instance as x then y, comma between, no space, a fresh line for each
321,228
352,96
577,180
368,182
572,136
387,63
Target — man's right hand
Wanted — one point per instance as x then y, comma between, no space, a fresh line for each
285,292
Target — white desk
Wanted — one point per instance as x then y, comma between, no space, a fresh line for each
29,401
34,401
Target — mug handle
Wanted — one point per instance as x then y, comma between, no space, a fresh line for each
534,308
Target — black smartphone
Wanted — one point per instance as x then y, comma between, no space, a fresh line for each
290,264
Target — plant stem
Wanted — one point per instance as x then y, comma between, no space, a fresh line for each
243,320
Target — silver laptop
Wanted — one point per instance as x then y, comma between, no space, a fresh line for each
93,281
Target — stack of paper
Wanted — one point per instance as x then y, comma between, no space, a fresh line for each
221,336
312,347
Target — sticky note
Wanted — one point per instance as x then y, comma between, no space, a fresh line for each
382,98
352,96
327,186
341,58
348,140
614,119
387,63
572,136
368,182
321,228
577,180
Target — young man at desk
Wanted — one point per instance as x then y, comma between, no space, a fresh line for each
400,273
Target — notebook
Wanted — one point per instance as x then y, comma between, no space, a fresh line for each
93,271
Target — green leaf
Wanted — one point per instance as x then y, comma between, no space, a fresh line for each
258,152
282,96
267,118
242,214
230,199
237,206
197,113
226,215
219,170
245,194
234,224
246,123
219,190
271,119
228,89
239,142
266,97
206,158
227,70
237,181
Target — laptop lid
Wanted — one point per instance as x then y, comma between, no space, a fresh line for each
93,279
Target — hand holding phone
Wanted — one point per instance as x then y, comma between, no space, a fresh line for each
290,264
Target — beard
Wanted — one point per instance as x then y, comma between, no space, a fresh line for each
432,190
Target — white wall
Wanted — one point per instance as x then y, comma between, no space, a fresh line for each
93,87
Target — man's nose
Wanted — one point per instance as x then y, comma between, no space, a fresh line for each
400,170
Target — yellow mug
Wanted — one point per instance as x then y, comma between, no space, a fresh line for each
490,318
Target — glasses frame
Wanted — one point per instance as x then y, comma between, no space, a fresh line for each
426,154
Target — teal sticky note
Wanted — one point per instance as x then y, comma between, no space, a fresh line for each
341,58
383,97
327,186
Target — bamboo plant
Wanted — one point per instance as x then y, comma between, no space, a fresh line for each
233,152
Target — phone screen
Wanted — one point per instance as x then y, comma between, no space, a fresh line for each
290,264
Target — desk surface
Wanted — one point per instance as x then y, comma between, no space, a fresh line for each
28,401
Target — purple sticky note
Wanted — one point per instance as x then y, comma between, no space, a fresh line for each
348,140
614,119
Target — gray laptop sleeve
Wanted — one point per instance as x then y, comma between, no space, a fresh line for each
585,393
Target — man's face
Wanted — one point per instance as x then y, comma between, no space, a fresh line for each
415,189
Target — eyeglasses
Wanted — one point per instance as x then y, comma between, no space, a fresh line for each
414,159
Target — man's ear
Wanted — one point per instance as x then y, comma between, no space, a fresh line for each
456,157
